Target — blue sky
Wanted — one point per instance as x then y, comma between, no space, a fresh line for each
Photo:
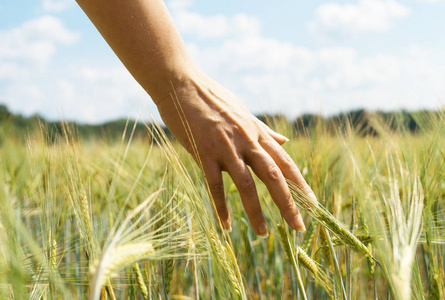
286,56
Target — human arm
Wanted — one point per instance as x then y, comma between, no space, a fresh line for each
227,136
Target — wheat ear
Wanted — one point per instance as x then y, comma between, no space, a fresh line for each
287,247
120,257
140,280
221,253
325,218
320,276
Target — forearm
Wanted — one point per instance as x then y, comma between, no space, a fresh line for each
144,37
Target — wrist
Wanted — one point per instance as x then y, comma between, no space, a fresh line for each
163,87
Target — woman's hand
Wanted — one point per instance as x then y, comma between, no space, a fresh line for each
229,138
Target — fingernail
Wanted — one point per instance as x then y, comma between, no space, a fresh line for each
298,223
287,140
262,230
227,225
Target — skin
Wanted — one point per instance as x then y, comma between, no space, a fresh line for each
227,137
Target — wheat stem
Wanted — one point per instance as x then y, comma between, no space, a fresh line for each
287,247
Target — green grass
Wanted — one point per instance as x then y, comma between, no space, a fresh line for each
73,212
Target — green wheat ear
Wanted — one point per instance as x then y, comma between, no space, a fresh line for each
325,218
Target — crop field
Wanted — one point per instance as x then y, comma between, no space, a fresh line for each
91,219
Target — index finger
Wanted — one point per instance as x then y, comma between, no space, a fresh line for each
287,166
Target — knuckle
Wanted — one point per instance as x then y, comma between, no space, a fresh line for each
289,206
207,146
306,188
217,188
302,185
247,185
274,172
286,161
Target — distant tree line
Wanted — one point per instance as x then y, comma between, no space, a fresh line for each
359,121
17,126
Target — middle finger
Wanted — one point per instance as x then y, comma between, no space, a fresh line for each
270,174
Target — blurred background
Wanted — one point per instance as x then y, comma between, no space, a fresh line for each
281,57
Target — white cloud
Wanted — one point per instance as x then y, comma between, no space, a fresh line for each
48,28
179,4
33,43
85,92
103,93
275,76
56,5
215,26
202,26
334,21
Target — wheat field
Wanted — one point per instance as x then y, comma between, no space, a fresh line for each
132,219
